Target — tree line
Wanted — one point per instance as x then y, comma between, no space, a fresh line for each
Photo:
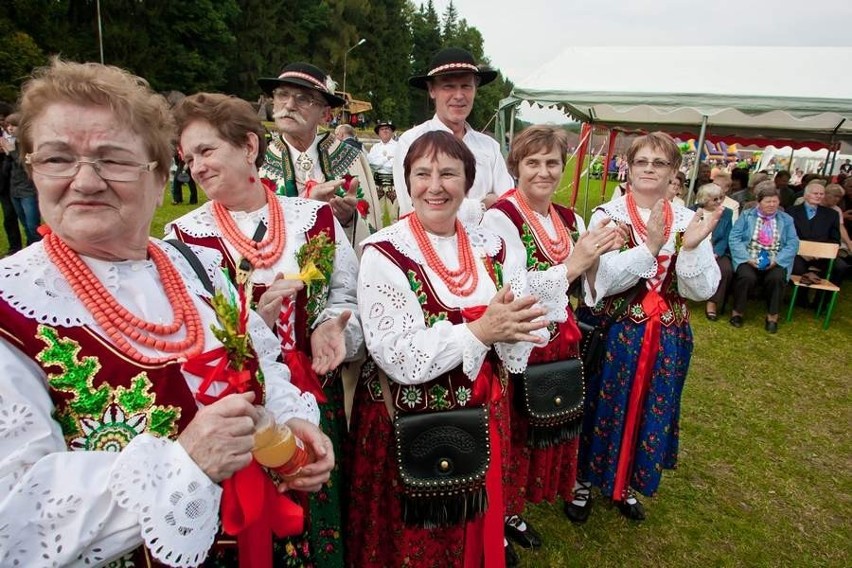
225,45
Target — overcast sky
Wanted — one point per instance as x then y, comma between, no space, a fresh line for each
521,35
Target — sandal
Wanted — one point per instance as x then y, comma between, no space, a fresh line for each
711,315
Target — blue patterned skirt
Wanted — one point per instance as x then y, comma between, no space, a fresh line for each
607,396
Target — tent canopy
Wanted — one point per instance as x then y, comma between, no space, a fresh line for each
751,95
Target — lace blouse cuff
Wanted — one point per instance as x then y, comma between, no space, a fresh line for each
691,263
473,351
551,289
177,504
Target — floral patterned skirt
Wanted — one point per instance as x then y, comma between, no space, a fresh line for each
536,474
375,533
607,395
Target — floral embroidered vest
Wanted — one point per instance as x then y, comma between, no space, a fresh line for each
310,301
558,347
678,310
450,390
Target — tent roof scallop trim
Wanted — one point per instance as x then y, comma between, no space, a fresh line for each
769,93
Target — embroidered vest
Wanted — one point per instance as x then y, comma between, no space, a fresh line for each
677,312
103,399
308,306
557,347
450,390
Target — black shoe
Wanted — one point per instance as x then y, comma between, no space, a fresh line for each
736,321
527,538
579,512
771,326
512,559
633,511
711,315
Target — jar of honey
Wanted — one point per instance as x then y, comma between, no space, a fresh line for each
276,447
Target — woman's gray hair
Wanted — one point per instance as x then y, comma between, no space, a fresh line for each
706,192
765,189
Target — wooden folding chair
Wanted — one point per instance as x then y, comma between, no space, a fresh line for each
817,250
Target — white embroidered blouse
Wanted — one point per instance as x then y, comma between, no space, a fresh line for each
696,270
394,328
61,507
300,215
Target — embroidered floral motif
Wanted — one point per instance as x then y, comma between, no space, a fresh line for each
410,396
533,264
100,418
438,398
417,287
463,395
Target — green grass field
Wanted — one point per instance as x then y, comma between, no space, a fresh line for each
765,465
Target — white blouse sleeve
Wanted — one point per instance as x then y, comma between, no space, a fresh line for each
65,508
396,334
697,272
515,355
342,294
618,270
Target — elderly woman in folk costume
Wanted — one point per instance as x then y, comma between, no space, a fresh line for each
543,462
304,163
117,445
633,406
445,309
292,257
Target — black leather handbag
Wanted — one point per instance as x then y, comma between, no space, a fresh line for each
551,396
443,458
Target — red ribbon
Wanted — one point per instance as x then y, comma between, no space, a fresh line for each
303,375
309,185
201,365
484,537
252,510
654,306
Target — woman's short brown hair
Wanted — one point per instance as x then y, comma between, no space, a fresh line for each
656,141
232,117
129,97
439,142
534,139
765,189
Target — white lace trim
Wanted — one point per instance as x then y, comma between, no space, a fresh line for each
34,287
551,289
483,241
299,216
177,504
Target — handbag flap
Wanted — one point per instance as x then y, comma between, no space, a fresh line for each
443,449
554,389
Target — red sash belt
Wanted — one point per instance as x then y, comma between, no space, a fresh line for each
483,537
252,509
654,306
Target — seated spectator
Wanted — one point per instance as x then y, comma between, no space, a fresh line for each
785,192
725,181
746,197
846,204
763,244
739,180
814,222
708,199
833,196
675,190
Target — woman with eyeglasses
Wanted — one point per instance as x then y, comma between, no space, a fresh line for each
675,191
118,445
630,434
708,199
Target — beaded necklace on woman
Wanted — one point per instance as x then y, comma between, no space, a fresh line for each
119,323
559,248
461,282
262,253
639,225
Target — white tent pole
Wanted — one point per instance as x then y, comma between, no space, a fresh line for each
698,148
511,129
589,149
790,163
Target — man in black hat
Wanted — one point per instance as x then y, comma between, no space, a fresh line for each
451,81
319,166
381,160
